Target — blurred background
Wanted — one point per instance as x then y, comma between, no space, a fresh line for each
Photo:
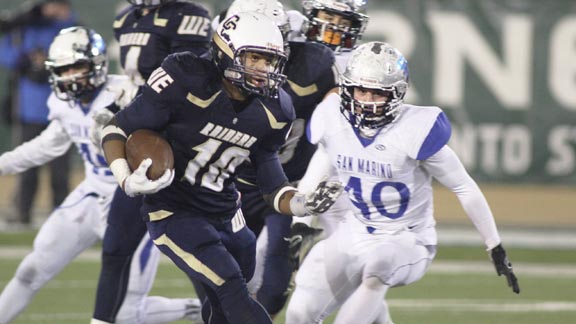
503,70
505,73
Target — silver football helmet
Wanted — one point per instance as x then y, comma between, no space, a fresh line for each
250,32
374,66
337,37
149,3
77,46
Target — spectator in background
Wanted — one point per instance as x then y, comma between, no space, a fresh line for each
24,45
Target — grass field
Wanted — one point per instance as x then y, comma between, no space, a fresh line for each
461,287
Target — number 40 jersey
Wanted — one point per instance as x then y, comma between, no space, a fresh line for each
383,176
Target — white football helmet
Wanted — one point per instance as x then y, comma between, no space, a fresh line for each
272,9
377,66
77,46
149,3
250,32
337,37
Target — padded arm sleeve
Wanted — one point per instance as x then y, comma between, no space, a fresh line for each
446,167
50,144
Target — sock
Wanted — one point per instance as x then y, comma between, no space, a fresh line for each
14,299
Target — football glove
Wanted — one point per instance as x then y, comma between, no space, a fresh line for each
504,267
101,118
124,93
300,241
318,201
138,183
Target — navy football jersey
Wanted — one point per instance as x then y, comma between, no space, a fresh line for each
145,40
211,134
311,73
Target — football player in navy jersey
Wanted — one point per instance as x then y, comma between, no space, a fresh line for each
147,32
216,114
310,75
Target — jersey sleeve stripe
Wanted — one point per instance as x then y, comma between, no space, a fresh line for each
437,137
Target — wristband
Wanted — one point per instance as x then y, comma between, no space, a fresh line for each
279,195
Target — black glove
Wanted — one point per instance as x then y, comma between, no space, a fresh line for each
504,267
301,238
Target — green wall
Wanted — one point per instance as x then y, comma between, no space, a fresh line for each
503,70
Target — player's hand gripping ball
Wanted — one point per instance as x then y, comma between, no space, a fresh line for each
145,143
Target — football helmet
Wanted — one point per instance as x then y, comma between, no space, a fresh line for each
244,33
77,46
374,66
272,9
149,3
337,37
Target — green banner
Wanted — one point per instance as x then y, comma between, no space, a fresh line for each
503,70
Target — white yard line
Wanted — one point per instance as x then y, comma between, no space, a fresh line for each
438,266
467,305
525,238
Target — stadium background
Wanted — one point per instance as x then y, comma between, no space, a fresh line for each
505,72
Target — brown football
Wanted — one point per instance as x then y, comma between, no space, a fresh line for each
145,143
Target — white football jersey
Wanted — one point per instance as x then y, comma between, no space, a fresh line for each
385,183
77,122
69,124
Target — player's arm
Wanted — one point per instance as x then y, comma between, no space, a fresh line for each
133,183
48,145
447,168
288,200
148,111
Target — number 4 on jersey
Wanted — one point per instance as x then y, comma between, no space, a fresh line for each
354,190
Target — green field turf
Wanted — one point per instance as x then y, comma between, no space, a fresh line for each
547,279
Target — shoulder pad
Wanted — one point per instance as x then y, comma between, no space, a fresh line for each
121,17
192,74
281,109
189,65
326,117
317,53
286,104
186,19
437,137
423,130
188,8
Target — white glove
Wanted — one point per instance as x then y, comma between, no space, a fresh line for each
124,93
317,201
138,183
101,118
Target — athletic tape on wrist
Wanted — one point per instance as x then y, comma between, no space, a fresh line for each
121,170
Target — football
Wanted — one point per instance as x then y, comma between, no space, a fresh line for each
145,143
